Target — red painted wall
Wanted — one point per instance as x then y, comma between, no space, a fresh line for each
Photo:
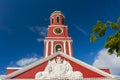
54,17
31,73
106,70
10,71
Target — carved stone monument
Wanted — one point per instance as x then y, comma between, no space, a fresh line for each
59,69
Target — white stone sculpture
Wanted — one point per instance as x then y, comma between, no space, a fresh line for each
59,69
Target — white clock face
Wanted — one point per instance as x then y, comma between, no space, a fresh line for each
58,30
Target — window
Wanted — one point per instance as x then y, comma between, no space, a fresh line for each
52,20
57,19
58,48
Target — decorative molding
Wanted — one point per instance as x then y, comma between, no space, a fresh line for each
59,69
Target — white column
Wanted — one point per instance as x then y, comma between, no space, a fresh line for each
46,55
69,45
52,42
64,44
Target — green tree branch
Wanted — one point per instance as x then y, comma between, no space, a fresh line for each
113,42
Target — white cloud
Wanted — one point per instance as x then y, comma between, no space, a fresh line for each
26,61
40,39
46,19
104,60
2,76
42,31
81,30
32,29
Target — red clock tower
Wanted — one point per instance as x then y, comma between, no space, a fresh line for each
57,39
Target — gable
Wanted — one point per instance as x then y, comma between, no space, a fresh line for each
87,70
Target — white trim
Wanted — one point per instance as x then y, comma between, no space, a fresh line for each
52,42
59,37
46,54
14,67
64,45
59,40
94,69
57,25
69,45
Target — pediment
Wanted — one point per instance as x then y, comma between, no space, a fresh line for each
87,70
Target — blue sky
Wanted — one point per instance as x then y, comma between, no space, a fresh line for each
23,26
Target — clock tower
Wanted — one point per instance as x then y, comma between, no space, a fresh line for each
57,39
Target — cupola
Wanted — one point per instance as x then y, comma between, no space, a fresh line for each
57,18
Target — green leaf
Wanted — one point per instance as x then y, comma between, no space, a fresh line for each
111,51
114,25
96,29
93,38
101,33
118,53
118,19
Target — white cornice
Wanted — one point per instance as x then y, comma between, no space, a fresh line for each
58,37
14,67
57,26
58,40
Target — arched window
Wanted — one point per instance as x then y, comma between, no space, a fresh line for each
58,48
57,19
52,20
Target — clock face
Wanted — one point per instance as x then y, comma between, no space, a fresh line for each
58,30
